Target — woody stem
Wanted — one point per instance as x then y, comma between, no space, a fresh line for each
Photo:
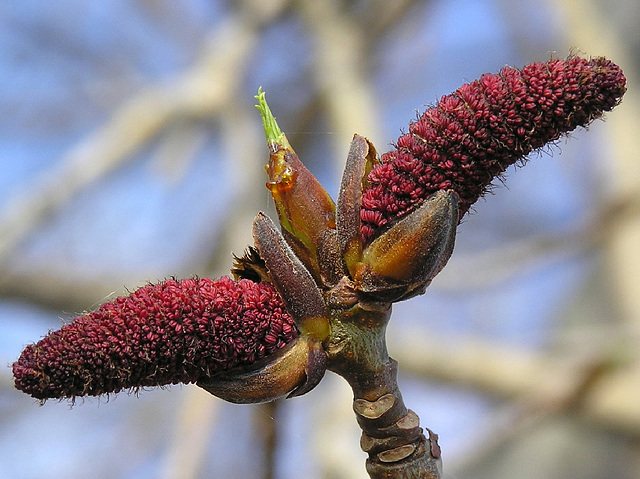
391,434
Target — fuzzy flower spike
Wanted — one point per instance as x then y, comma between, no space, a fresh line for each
172,332
472,135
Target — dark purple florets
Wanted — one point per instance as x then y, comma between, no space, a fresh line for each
172,332
472,135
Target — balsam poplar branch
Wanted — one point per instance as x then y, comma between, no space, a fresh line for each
316,293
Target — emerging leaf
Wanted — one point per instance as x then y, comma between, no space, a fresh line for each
305,210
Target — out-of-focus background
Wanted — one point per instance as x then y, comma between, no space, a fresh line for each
130,151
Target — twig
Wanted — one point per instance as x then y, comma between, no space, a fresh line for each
391,434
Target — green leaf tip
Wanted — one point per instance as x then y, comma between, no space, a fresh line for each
271,129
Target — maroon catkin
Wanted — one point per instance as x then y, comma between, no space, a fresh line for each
172,332
472,135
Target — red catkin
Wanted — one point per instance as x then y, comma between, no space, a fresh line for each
472,135
168,333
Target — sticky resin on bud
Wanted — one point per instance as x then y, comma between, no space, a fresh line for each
291,371
306,212
403,259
